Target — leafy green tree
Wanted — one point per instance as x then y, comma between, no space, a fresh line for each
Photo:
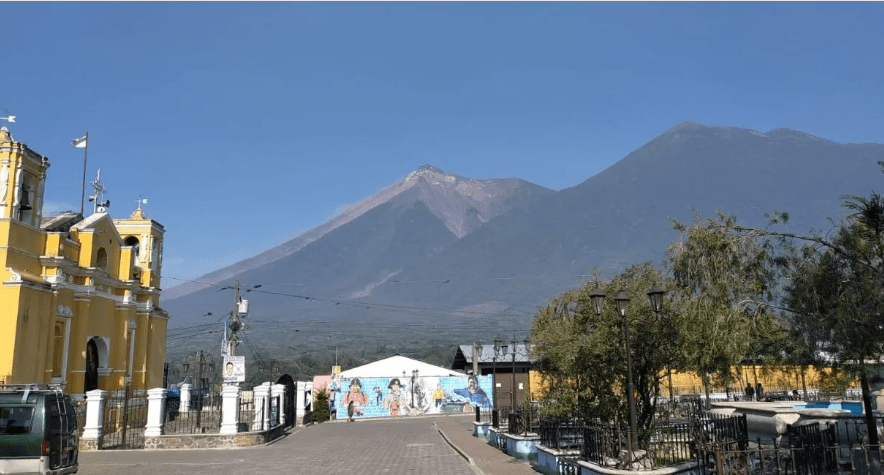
722,281
827,288
582,356
835,294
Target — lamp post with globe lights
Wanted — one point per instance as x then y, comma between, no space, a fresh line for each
655,298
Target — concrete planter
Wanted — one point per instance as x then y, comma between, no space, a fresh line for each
548,459
481,429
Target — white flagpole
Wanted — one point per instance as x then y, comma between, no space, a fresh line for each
83,189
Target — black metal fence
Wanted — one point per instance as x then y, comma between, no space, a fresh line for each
561,433
202,416
522,421
719,445
125,416
246,416
666,444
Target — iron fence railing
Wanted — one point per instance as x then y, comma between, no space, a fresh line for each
125,416
775,459
523,420
561,434
484,415
202,416
499,416
665,444
568,465
719,444
246,416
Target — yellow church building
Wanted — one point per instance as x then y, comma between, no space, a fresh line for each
79,298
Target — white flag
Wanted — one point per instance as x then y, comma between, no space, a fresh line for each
80,142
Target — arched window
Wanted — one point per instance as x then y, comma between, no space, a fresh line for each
101,259
91,376
26,199
133,241
58,350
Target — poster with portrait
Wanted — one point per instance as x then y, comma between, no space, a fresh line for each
234,369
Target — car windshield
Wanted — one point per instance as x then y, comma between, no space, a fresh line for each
15,420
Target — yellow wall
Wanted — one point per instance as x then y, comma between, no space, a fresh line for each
59,289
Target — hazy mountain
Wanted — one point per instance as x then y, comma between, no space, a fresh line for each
461,204
439,247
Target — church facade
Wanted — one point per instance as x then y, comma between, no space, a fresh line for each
79,297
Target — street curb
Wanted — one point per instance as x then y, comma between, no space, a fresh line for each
460,451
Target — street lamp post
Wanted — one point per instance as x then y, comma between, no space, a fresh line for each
203,361
513,393
655,298
497,352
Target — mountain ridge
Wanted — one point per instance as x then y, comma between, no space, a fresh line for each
487,197
402,254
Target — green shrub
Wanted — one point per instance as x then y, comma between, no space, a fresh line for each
320,405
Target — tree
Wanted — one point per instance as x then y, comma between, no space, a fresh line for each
582,356
835,295
722,281
827,290
320,405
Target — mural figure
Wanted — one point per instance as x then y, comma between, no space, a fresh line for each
395,400
333,388
378,395
474,393
354,399
438,395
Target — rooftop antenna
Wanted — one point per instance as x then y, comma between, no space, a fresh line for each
8,117
98,206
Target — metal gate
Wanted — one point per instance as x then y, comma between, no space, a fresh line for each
125,416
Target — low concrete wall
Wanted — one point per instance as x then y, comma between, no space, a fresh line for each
524,448
212,441
480,429
548,459
687,468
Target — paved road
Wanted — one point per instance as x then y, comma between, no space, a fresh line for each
406,445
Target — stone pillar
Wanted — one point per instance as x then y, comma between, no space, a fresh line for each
278,392
185,398
94,427
156,409
266,412
229,409
308,396
300,403
262,413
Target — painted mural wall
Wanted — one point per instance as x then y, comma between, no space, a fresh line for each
395,397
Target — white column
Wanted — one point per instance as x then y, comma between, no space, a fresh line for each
278,392
308,396
94,414
229,408
156,408
185,398
262,414
266,412
300,403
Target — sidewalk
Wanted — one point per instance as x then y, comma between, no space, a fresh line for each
485,459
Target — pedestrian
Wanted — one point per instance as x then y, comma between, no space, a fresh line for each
750,392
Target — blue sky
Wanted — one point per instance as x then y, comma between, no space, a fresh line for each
245,124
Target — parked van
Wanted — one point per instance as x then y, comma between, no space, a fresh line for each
38,430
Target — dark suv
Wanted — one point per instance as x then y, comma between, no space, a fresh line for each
38,430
